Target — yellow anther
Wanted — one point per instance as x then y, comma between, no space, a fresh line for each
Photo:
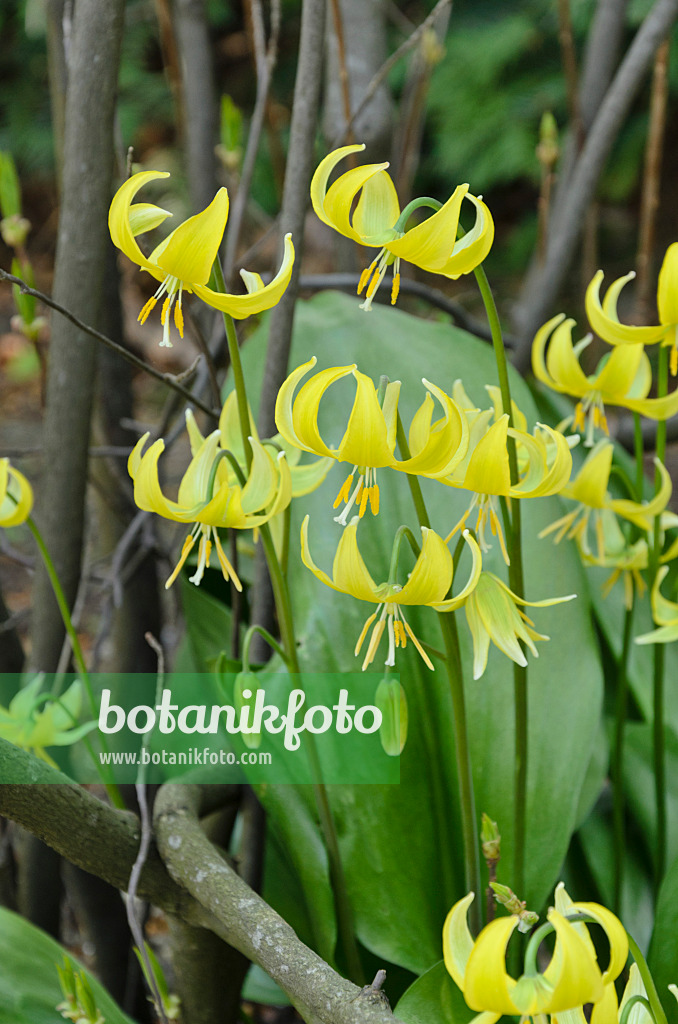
364,495
603,423
674,360
395,289
143,315
579,422
179,319
364,277
165,309
374,499
374,283
344,492
596,416
188,544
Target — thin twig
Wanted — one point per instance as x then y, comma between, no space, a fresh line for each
264,63
385,68
166,378
569,58
343,70
651,180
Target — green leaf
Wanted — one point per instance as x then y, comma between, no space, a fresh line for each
400,844
29,980
433,997
208,624
663,955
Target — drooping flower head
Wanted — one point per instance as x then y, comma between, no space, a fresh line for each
605,322
493,613
623,377
664,613
571,979
377,222
544,466
183,261
590,490
369,440
208,499
16,495
428,584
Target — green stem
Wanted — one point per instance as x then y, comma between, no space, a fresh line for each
453,667
62,603
618,760
432,204
344,911
638,449
517,584
658,652
270,640
648,982
236,368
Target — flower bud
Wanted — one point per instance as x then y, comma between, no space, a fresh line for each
392,702
490,838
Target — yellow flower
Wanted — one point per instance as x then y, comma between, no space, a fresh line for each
544,463
589,490
207,498
571,979
605,322
664,613
628,561
377,221
428,584
369,440
16,495
492,613
24,725
183,261
623,377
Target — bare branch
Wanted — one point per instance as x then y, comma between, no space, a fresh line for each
166,378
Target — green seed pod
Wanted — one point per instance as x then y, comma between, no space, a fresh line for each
391,701
245,694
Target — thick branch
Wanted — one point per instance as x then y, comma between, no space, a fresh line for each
320,994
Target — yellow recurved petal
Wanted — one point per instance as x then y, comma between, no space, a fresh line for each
145,217
574,974
284,402
281,497
451,603
643,513
623,368
604,320
241,306
322,176
431,577
664,612
487,986
457,940
429,245
193,486
119,220
488,468
339,198
438,449
349,571
470,250
16,495
262,481
305,410
560,370
590,484
667,287
378,208
190,251
366,441
616,936
307,558
654,408
148,493
479,636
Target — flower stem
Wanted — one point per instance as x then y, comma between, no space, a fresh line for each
648,982
343,909
448,627
638,452
517,584
659,756
618,760
111,788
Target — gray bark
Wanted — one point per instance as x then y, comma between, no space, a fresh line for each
81,248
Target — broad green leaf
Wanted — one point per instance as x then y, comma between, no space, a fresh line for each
401,845
29,983
208,624
663,955
639,783
433,997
